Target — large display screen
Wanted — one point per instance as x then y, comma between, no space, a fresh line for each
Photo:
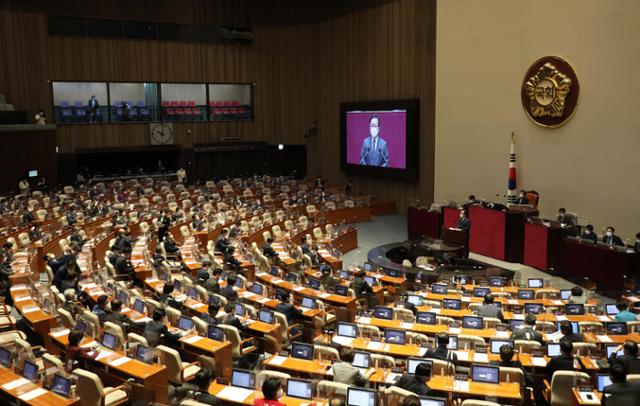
380,137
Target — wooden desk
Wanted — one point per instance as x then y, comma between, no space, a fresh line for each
616,339
505,391
37,319
46,399
396,350
578,401
153,376
217,389
345,306
220,351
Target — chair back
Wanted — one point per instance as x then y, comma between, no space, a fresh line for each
67,318
170,358
562,384
265,374
231,333
90,389
328,389
116,330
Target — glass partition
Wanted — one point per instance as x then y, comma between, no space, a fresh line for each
133,102
228,102
80,102
183,101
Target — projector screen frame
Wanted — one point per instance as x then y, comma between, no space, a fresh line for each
412,107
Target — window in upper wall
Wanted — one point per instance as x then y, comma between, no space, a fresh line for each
183,102
229,102
80,102
131,102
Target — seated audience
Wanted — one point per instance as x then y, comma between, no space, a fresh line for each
490,309
624,313
416,382
345,372
629,358
620,392
528,332
271,393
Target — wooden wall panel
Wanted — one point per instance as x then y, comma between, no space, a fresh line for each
307,58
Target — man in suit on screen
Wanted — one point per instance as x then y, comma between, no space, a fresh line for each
374,149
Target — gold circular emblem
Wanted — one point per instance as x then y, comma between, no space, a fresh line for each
550,91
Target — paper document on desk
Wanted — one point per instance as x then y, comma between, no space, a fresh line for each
143,320
298,288
324,295
277,360
198,305
518,316
246,294
15,383
346,341
193,339
61,333
454,330
263,300
465,299
561,318
364,320
503,334
479,357
30,309
603,317
151,280
234,394
103,354
422,351
462,355
89,344
375,345
276,281
391,378
604,339
32,394
513,301
22,299
461,386
539,361
120,361
406,326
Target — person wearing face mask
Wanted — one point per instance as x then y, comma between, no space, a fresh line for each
272,393
565,218
588,234
610,237
522,198
374,149
463,222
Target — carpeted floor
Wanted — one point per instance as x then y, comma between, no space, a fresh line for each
385,229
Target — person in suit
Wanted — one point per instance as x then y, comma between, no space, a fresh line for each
227,291
164,224
416,382
522,198
620,392
345,372
122,320
100,308
463,222
441,351
362,289
223,244
374,150
630,358
304,246
212,285
268,251
506,360
528,332
210,317
588,234
271,392
170,246
122,241
490,309
199,385
564,218
74,353
611,238
156,329
124,266
287,308
231,318
327,280
94,107
636,245
562,362
567,333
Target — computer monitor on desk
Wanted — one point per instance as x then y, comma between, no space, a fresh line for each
361,397
302,351
347,329
266,316
243,379
299,388
393,336
482,373
383,312
61,386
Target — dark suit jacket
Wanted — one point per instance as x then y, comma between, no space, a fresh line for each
154,330
527,333
614,240
288,310
621,394
229,293
374,157
559,363
413,384
463,223
233,321
591,237
268,251
212,285
490,310
361,287
222,245
575,338
522,200
631,363
636,246
441,353
170,247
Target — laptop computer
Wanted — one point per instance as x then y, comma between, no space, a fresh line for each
299,388
30,371
481,292
342,290
439,289
473,322
257,288
214,300
611,309
431,401
611,348
526,294
394,273
243,379
497,344
302,351
239,309
383,312
496,282
516,324
533,308
361,360
342,274
617,328
371,280
177,285
367,266
82,326
192,293
308,303
266,316
394,336
412,363
292,277
138,305
415,300
574,309
574,326
185,323
314,284
5,357
487,374
347,329
61,386
533,283
110,341
144,354
553,349
603,380
361,397
452,304
565,293
123,297
215,333
426,318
